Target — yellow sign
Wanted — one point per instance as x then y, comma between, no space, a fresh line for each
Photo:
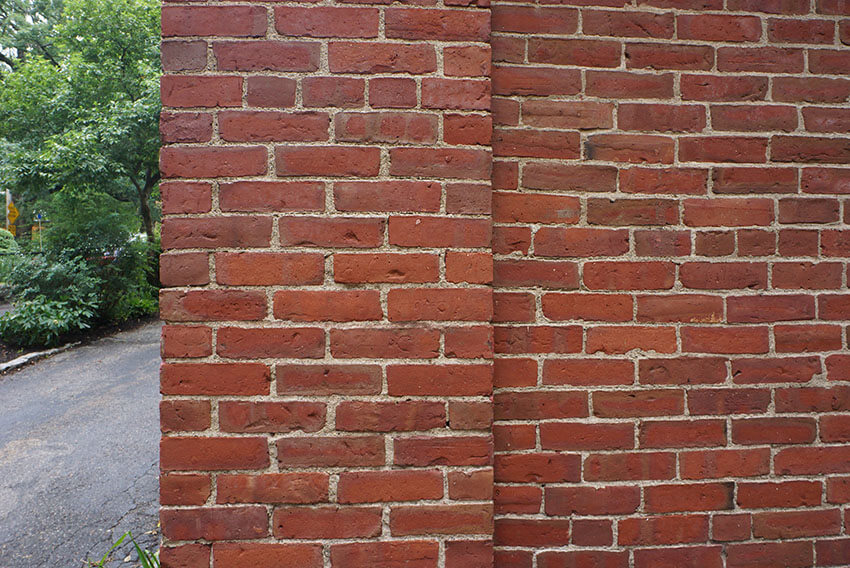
13,213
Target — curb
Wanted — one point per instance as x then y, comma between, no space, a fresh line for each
30,357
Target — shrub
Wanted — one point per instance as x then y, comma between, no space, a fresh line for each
126,291
41,321
52,299
7,242
61,280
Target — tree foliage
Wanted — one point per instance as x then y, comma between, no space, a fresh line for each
79,101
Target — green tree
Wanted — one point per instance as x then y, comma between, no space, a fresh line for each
84,113
27,29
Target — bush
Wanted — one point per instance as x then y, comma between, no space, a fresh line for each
41,321
7,242
93,269
62,280
126,289
52,299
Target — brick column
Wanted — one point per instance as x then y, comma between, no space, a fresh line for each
327,375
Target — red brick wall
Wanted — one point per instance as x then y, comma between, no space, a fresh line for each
670,283
664,284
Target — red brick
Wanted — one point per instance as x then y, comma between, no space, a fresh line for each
267,55
378,486
392,554
691,497
324,380
326,522
214,379
184,127
327,305
185,197
186,341
567,114
629,275
186,269
537,339
621,84
262,554
627,24
509,81
184,489
723,275
775,370
455,450
622,339
573,436
661,117
534,19
767,554
473,267
213,162
442,380
339,451
441,519
752,118
512,207
713,464
268,269
773,431
663,530
234,21
629,466
271,126
663,180
547,274
540,533
211,454
565,501
719,27
333,161
537,468
588,307
582,52
467,129
466,61
539,405
781,495
184,415
332,232
183,55
270,92
322,21
389,416
294,488
723,88
587,372
385,267
445,25
374,58
212,305
215,523
669,56
728,401
277,417
439,304
678,434
569,177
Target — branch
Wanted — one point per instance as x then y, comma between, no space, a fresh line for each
7,60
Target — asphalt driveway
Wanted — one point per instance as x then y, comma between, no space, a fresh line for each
79,437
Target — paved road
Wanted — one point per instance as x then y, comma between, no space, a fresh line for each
78,452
